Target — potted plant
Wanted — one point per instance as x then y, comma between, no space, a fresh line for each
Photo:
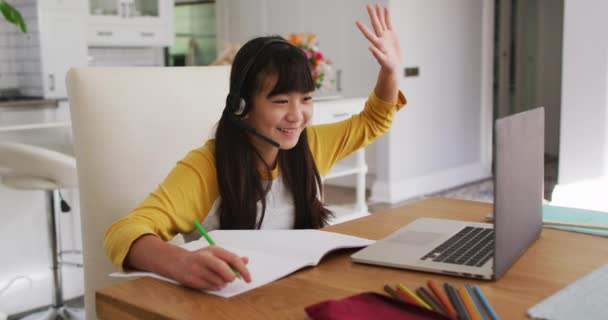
12,15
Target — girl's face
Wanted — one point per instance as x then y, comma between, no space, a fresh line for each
280,117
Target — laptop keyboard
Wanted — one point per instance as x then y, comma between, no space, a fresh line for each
471,246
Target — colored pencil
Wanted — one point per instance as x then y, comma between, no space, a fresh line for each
457,302
486,303
413,295
428,300
435,300
478,304
393,294
405,297
468,303
443,298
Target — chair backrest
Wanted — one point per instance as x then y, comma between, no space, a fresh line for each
131,125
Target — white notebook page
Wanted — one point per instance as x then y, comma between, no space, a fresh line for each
585,298
272,254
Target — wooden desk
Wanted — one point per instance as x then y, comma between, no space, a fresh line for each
554,260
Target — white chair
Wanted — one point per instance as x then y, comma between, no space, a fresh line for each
131,125
36,168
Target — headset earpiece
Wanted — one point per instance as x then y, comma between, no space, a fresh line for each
240,110
235,104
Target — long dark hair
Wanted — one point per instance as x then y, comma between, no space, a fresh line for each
241,186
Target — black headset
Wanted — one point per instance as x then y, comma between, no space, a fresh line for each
236,107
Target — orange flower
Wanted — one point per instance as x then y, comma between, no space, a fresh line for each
311,38
296,39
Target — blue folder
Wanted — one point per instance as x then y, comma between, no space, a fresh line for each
573,215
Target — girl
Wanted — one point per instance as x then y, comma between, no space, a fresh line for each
264,167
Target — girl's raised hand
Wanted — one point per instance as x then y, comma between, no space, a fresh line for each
384,41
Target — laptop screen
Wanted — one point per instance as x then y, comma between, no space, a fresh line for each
518,185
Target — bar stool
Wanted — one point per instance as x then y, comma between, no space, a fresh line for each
35,168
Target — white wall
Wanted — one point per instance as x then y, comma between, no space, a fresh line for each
583,161
442,138
584,88
333,22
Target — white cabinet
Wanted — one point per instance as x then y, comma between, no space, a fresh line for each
60,4
54,43
328,111
130,23
62,46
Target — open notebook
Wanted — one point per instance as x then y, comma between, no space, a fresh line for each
583,299
272,254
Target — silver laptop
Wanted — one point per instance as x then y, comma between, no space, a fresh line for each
480,250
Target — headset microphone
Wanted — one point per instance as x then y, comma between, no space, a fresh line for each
241,124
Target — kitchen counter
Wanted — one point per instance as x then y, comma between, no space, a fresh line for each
24,113
28,104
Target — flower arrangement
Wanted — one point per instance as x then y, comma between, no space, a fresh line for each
321,67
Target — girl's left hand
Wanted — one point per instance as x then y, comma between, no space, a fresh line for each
385,44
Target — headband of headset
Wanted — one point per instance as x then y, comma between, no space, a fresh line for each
235,104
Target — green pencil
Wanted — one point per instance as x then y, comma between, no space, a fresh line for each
204,232
212,243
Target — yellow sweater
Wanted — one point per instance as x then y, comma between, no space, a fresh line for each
190,191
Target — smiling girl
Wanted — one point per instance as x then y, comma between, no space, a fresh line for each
263,169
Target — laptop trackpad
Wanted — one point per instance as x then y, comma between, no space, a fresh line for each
415,237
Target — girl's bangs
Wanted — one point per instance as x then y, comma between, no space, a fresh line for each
293,72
